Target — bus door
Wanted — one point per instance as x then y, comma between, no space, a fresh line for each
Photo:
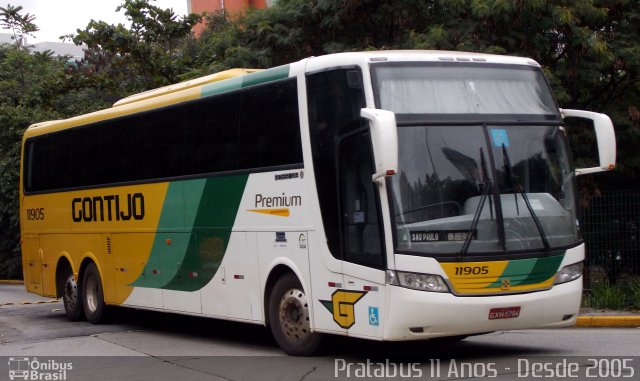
361,237
33,254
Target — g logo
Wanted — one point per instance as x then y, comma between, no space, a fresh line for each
341,306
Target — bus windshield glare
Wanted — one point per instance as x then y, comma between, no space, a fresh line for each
477,185
424,88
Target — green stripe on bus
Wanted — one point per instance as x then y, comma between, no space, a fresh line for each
524,272
171,240
207,208
208,243
264,76
221,87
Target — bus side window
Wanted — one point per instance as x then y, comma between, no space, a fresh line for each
361,229
269,132
334,110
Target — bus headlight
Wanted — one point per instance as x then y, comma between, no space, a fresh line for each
417,281
569,273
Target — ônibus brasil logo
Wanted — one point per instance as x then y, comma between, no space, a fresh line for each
24,368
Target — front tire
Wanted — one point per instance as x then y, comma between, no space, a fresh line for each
289,318
92,294
71,296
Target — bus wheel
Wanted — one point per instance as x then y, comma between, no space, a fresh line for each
71,297
289,318
92,295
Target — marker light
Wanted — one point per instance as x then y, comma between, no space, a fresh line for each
569,273
417,281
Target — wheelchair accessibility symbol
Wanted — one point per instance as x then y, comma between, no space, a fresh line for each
374,318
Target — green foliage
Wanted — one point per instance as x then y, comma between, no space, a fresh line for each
624,295
604,296
147,54
13,122
631,290
28,93
634,296
20,25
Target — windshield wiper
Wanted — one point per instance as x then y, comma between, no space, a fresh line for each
520,189
486,187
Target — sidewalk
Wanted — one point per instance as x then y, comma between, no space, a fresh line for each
588,317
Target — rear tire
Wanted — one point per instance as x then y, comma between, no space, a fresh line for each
92,294
289,318
71,296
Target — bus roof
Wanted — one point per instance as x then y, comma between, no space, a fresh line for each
231,73
156,98
364,58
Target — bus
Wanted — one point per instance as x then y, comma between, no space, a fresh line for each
390,195
19,368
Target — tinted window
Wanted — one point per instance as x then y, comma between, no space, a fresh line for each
160,143
269,126
361,228
47,155
256,127
334,109
212,134
119,142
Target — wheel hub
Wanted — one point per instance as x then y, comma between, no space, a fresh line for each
70,295
294,315
91,294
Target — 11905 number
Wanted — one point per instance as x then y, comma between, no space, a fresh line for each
472,270
36,214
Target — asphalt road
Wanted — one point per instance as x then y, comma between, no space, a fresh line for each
143,345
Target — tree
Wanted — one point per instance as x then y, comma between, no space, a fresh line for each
143,56
35,87
29,92
20,25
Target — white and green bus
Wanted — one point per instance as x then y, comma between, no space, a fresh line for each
395,195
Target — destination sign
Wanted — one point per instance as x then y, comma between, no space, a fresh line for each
441,235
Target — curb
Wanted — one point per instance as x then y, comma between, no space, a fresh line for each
629,321
4,281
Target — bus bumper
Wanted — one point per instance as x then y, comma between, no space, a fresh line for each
417,315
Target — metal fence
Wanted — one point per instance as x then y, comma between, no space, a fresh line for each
611,229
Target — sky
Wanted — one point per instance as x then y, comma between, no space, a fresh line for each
60,17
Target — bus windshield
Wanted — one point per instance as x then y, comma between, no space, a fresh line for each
513,177
477,184
463,89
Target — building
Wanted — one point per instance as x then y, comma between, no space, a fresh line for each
230,6
58,48
6,38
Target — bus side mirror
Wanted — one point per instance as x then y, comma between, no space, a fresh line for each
384,138
604,134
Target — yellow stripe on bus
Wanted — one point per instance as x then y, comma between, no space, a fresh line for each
282,212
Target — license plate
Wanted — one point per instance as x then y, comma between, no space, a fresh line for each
504,313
